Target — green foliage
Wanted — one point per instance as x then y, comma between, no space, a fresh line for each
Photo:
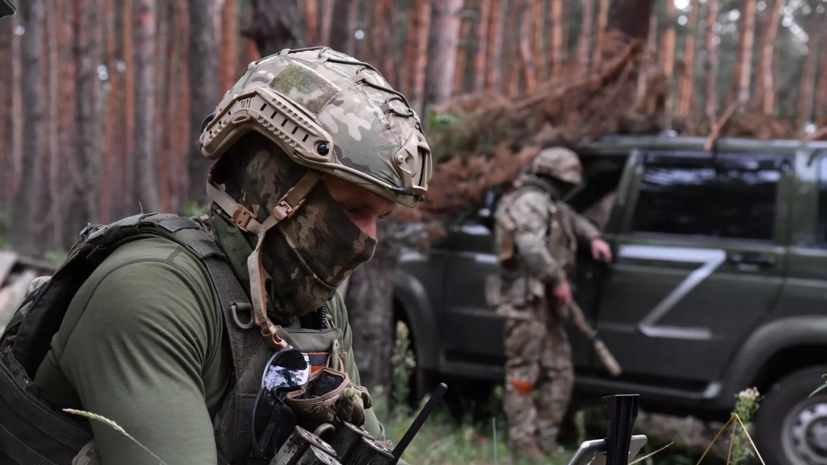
745,408
403,364
4,230
194,209
57,255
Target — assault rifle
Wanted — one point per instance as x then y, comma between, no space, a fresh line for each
350,445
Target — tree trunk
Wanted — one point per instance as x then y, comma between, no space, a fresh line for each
514,61
529,71
648,62
229,46
86,159
600,32
765,88
382,37
6,84
162,95
585,41
145,129
805,93
821,94
687,78
418,56
495,46
744,64
557,46
369,301
537,48
275,29
311,20
667,52
712,61
462,57
327,22
111,121
631,17
63,234
183,145
27,211
343,30
130,205
481,51
439,81
52,18
17,108
203,90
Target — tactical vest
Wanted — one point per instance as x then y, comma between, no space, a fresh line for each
562,242
32,432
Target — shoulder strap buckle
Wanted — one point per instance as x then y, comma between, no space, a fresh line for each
242,217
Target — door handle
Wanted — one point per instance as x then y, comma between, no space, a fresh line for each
761,261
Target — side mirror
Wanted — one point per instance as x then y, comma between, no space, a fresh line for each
6,9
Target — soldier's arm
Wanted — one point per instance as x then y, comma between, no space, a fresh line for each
530,213
138,355
583,228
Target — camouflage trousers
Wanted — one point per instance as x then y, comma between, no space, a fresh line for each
539,377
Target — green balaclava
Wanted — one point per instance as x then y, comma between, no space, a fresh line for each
307,255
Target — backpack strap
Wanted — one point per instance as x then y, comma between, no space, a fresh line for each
250,353
30,335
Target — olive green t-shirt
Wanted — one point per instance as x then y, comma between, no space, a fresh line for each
143,344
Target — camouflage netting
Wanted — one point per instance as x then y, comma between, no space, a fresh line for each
482,141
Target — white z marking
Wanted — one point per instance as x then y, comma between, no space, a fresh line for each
710,260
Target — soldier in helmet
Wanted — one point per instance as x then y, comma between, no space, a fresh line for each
311,148
536,239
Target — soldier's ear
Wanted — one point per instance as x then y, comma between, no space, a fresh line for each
6,8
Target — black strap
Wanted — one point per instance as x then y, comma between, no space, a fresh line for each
19,452
41,417
250,353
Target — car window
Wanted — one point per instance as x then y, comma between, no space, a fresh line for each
822,201
728,196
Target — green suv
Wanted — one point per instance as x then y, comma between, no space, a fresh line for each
719,283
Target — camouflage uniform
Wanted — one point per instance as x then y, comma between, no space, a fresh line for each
536,237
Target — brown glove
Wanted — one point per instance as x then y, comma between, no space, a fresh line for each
330,397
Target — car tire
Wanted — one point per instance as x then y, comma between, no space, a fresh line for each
791,426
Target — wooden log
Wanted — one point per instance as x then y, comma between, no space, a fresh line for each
7,261
12,295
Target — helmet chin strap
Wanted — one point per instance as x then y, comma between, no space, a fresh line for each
245,220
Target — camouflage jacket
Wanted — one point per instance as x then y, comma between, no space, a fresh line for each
536,238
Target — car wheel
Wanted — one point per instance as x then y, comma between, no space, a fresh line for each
791,426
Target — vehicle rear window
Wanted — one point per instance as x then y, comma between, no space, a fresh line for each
730,196
822,201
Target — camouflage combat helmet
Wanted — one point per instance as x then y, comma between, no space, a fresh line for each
330,113
6,8
560,163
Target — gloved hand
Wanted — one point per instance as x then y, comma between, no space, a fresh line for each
330,397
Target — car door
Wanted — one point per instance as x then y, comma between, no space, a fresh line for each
699,260
472,342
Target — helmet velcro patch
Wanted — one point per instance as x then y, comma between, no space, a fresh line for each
305,87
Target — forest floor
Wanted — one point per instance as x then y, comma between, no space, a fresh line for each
444,440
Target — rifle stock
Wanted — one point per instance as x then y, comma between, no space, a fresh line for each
602,351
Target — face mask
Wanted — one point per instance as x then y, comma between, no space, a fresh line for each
310,254
307,255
